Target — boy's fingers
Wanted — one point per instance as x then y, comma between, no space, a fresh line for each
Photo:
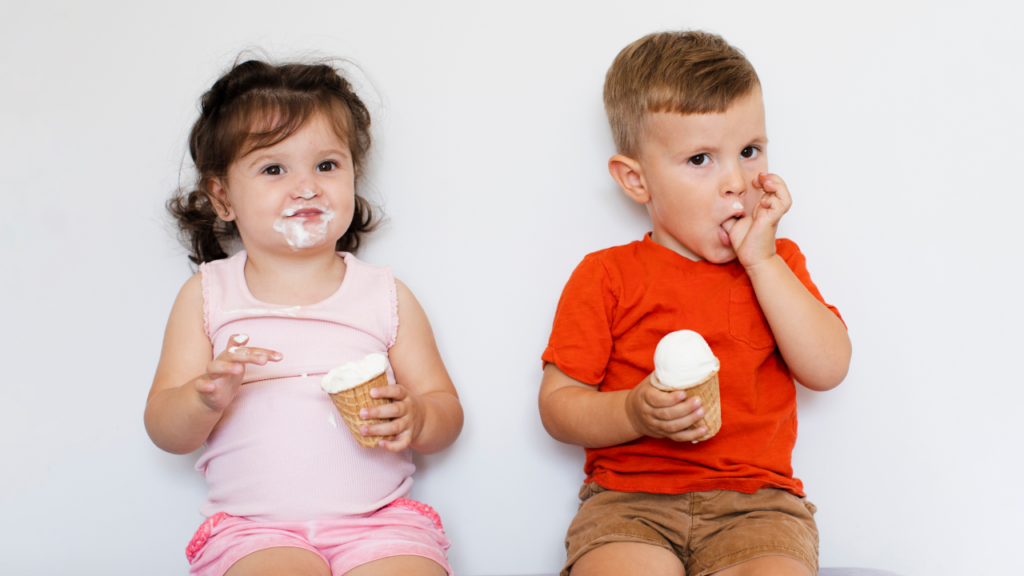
660,399
681,410
689,435
681,424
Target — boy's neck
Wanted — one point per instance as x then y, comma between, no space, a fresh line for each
668,241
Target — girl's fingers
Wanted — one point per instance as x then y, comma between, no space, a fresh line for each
224,368
392,391
248,355
392,410
391,428
399,443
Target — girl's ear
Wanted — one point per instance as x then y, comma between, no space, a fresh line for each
219,199
629,174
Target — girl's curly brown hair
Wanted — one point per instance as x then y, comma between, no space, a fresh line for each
256,105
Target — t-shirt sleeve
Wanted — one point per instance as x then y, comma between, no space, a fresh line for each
581,335
797,262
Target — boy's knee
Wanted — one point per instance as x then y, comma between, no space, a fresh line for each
626,558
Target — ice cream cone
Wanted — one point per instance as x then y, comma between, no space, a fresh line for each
707,391
350,402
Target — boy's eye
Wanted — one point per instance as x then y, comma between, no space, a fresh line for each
273,170
699,159
749,152
327,166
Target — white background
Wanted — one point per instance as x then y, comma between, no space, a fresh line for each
896,125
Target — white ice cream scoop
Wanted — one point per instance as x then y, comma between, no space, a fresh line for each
348,376
682,360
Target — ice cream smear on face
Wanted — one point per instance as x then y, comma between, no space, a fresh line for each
348,376
737,206
304,226
683,360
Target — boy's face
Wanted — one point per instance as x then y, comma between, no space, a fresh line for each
697,172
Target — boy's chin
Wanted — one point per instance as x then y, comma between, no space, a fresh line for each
720,256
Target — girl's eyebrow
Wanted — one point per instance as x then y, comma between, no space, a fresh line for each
257,158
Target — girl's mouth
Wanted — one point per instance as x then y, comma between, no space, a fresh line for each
302,212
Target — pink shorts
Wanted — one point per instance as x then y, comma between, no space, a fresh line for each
402,528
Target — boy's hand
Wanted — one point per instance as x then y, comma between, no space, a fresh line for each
660,414
405,412
219,386
753,236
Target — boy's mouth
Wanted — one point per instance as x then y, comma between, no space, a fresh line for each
725,227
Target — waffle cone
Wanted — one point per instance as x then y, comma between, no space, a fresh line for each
707,391
350,402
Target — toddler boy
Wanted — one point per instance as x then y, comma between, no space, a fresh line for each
687,117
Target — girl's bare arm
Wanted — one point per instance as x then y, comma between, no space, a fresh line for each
191,389
426,413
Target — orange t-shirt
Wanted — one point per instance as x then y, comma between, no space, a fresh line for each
614,310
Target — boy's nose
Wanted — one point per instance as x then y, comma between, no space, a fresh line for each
734,181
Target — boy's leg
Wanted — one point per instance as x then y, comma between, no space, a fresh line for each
399,566
766,533
767,566
628,559
281,561
627,533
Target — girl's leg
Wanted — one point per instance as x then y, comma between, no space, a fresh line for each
280,561
399,566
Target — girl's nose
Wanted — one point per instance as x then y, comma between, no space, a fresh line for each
307,194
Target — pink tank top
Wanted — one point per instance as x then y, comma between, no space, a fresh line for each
281,450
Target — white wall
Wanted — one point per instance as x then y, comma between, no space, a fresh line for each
897,129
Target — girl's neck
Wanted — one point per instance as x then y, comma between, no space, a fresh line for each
293,279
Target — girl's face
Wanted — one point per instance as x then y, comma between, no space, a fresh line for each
298,195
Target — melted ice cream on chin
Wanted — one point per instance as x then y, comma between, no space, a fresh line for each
302,232
348,376
682,360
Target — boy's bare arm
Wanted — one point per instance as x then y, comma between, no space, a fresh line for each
577,413
812,340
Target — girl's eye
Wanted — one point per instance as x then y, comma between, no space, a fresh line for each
750,152
327,166
699,159
273,170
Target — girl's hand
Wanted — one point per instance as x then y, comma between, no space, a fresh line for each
219,386
753,236
405,412
660,414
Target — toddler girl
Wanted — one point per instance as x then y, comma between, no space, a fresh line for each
278,151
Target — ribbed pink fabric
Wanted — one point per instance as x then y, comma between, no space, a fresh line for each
281,451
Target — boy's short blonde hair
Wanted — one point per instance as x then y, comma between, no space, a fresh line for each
690,72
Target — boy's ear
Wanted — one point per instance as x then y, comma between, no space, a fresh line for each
629,174
219,198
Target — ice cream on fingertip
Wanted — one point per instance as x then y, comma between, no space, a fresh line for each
683,360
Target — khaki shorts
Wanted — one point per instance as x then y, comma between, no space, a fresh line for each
707,531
